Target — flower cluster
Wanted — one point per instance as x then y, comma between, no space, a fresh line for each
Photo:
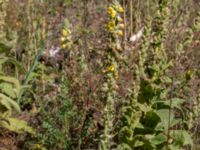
115,23
65,38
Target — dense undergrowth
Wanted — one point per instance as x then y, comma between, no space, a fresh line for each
100,75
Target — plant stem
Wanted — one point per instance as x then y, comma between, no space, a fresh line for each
131,17
125,36
33,66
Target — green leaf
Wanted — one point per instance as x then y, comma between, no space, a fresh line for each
125,133
150,120
14,81
181,137
173,147
3,60
175,103
16,63
164,117
158,139
124,146
138,143
8,103
7,89
4,48
166,79
13,61
18,126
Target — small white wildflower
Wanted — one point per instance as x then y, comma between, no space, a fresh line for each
137,36
53,51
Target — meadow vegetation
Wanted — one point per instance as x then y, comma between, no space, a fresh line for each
99,74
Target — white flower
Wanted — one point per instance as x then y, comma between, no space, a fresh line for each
137,36
53,51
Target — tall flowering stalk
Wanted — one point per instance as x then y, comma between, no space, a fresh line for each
114,27
2,17
65,38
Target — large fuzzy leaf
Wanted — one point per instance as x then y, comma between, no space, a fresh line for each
150,120
16,125
8,103
181,137
158,139
4,59
4,48
165,118
173,103
14,81
8,89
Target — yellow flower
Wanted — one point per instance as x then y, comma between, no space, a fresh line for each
37,146
111,68
63,46
119,8
111,26
62,39
119,19
64,32
189,74
112,12
119,32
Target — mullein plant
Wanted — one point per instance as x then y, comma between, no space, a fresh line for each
9,87
182,47
31,47
146,123
132,111
32,25
114,27
194,113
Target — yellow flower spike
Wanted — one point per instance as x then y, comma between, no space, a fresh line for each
119,33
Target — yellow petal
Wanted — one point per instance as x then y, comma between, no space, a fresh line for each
64,32
119,19
63,46
120,33
62,39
